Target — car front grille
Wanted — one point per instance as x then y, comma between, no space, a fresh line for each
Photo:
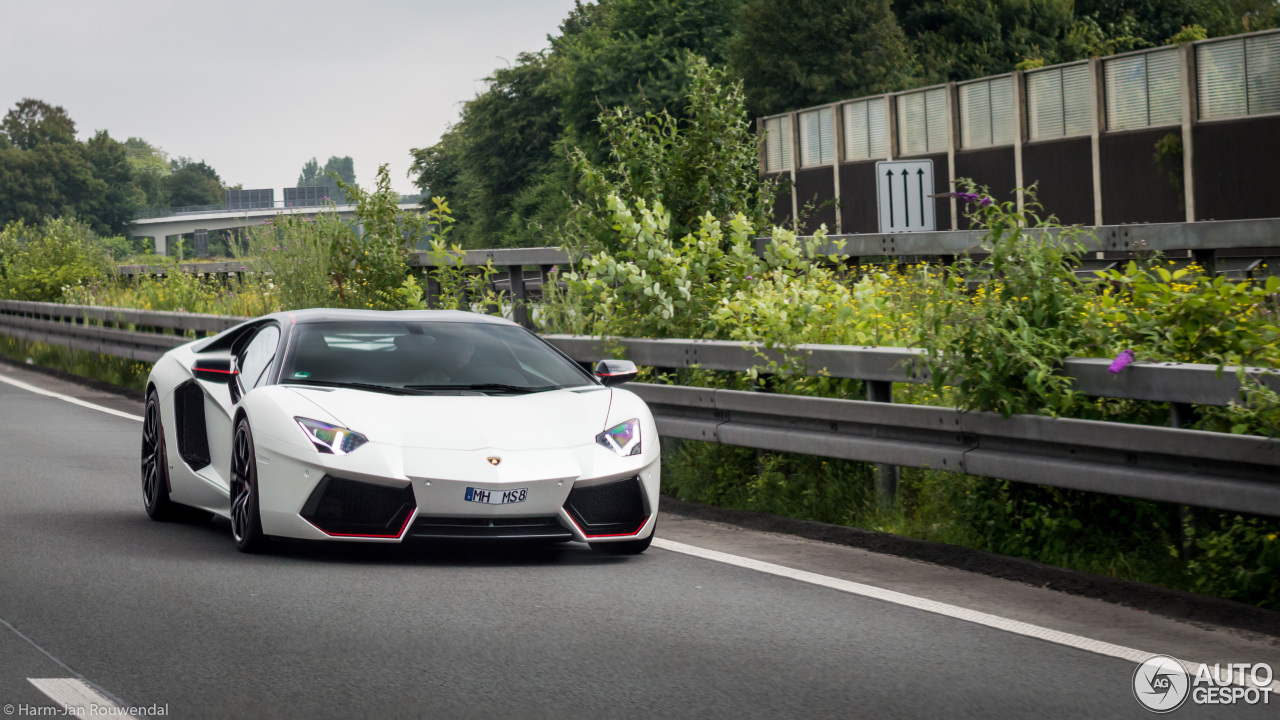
493,528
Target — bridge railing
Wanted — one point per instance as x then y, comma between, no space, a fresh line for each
1170,464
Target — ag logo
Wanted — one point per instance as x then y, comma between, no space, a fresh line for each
495,461
1161,684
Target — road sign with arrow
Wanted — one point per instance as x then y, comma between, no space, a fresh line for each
903,191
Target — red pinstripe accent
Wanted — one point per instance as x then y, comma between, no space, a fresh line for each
643,522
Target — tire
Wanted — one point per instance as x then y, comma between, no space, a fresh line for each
155,466
246,518
625,547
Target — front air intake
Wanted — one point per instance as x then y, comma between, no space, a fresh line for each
615,508
490,528
350,508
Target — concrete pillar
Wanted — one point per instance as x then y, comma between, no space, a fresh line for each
162,245
891,126
1187,63
795,160
1097,101
837,133
760,143
953,142
1019,133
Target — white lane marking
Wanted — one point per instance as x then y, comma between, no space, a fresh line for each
75,697
68,398
952,611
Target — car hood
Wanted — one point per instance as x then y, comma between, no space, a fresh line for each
544,420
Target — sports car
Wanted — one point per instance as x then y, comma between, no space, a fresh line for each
380,427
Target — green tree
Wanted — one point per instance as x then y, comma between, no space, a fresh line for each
110,212
34,122
632,53
965,39
704,166
51,179
503,162
192,183
794,54
150,166
311,174
314,175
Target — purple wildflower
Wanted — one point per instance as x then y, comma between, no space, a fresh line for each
750,277
552,270
1122,361
967,197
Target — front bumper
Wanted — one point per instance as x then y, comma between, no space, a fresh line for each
368,496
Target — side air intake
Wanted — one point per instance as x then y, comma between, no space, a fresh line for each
615,508
350,508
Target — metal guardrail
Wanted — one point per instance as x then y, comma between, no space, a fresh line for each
1155,382
141,335
1212,236
1229,472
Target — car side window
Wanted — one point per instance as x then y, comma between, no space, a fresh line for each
256,359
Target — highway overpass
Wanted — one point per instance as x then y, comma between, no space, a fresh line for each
162,228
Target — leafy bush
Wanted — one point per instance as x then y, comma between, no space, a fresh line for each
367,267
40,262
706,165
1001,346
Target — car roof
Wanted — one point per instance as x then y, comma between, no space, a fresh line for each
222,340
319,315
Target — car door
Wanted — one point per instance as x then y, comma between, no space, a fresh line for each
255,355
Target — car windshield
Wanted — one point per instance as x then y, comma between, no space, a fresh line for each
428,357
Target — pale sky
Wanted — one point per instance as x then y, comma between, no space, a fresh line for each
256,88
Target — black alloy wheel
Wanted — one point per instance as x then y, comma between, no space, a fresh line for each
246,521
155,470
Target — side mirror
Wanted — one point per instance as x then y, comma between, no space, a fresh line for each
616,372
220,370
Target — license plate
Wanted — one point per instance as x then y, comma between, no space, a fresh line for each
497,497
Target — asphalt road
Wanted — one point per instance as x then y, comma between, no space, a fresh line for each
171,615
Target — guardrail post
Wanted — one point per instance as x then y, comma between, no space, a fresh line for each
494,308
519,296
432,294
1208,259
1183,415
886,475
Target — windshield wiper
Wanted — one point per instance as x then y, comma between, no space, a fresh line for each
355,386
485,387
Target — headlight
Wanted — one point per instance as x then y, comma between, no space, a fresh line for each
331,438
623,438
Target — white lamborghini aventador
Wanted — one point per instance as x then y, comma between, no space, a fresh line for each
372,426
